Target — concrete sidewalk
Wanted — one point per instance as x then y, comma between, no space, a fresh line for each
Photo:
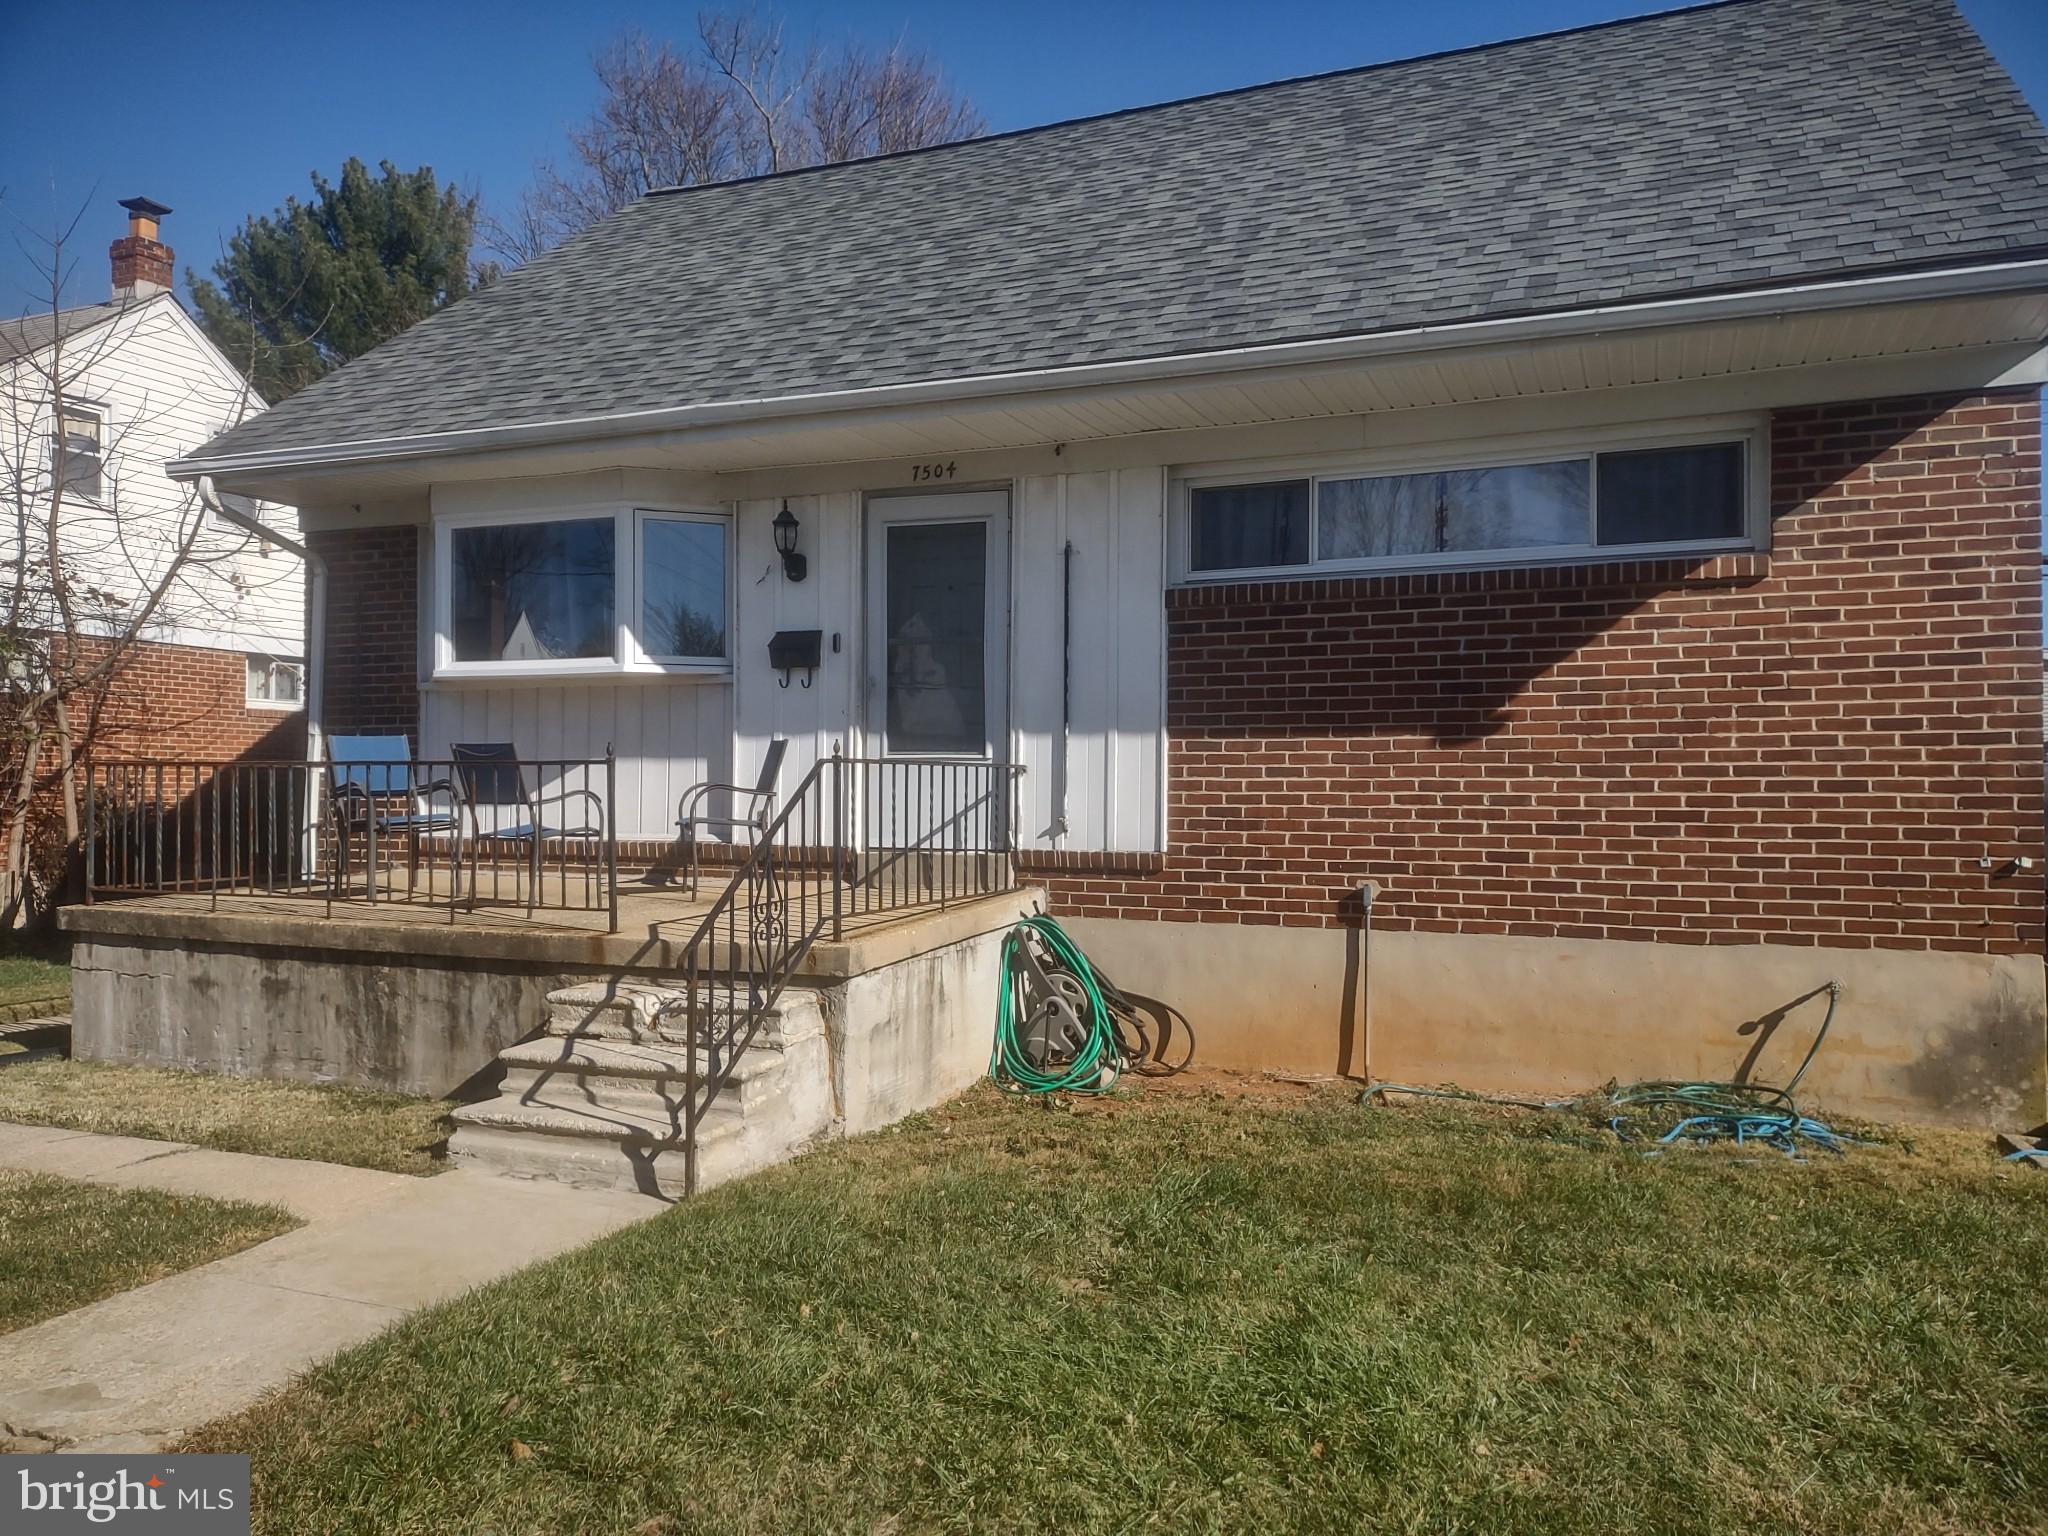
137,1370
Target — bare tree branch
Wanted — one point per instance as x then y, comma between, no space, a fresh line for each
741,101
99,568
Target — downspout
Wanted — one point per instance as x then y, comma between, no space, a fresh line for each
316,629
1059,809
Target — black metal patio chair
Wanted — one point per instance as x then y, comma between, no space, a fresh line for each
760,808
490,777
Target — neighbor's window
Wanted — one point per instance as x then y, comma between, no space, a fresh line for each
77,450
276,682
534,591
682,587
1629,498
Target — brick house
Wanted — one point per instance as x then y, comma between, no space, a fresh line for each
1519,566
131,384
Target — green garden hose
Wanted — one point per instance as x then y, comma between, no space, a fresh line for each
1096,1064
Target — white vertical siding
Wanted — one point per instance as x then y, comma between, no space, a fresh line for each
1116,726
822,716
672,734
668,735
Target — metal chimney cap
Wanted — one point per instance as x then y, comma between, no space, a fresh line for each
148,208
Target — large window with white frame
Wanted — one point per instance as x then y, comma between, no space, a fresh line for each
582,592
1638,492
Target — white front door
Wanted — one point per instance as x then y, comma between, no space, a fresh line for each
938,603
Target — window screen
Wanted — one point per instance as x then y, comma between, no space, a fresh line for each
1671,495
1237,527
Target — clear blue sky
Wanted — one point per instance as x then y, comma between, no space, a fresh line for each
222,110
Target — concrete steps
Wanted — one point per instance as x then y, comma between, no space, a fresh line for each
598,1100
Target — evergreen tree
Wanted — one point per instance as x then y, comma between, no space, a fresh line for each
304,289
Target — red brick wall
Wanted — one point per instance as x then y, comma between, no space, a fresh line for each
183,702
1809,746
370,685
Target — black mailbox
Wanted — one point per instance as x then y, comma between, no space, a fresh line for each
792,649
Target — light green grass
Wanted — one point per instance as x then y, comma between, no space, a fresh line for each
28,979
235,1114
64,1244
1194,1313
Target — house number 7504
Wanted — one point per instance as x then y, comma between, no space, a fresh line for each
944,471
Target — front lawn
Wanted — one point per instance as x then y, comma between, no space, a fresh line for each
234,1114
64,1244
33,983
1194,1312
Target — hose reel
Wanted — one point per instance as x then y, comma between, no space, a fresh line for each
1061,1025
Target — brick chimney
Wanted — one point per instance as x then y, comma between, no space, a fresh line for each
142,263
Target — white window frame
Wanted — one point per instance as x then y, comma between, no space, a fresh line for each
81,406
255,701
643,657
1751,430
628,659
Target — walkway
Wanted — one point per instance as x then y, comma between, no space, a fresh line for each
137,1370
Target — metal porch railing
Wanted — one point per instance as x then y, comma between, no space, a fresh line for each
537,833
857,839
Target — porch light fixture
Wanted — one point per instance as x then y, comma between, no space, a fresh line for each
794,566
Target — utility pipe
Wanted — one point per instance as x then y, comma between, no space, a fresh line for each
1367,890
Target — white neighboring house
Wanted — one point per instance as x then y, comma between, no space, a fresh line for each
132,384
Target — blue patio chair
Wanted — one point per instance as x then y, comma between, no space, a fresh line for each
489,776
759,801
365,776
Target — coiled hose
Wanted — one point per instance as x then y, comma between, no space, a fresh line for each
1706,1111
1096,1065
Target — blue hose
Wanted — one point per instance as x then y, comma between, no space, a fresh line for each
1739,1112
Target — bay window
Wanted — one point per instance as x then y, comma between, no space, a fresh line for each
534,591
585,593
1624,496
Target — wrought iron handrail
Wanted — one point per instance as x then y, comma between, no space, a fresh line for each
857,837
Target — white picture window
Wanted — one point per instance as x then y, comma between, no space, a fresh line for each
1628,498
534,591
276,682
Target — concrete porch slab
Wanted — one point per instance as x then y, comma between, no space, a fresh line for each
655,929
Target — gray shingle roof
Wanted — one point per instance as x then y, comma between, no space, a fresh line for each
1738,145
33,332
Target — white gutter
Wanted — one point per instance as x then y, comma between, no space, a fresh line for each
1953,282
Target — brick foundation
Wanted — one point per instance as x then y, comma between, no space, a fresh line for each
1812,746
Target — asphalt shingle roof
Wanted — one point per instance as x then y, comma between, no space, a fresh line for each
1737,145
33,332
